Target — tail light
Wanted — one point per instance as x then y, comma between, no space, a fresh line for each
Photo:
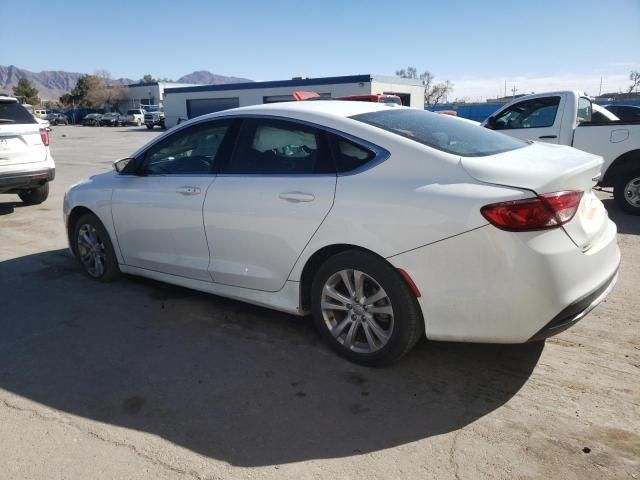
539,213
44,135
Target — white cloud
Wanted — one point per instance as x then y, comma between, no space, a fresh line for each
479,89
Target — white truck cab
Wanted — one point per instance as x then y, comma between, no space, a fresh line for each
570,118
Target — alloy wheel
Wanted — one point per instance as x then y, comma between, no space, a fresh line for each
91,250
357,311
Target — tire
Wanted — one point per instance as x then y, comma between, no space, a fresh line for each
400,326
36,195
90,240
149,126
626,192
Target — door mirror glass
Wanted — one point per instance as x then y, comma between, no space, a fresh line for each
120,165
491,123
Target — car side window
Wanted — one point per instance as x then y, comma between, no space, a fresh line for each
585,110
191,151
279,147
349,155
535,113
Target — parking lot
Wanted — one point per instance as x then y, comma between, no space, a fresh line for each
138,379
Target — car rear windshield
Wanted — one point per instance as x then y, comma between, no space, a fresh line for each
442,132
13,112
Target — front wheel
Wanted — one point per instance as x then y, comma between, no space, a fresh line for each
149,126
364,309
36,195
94,250
626,192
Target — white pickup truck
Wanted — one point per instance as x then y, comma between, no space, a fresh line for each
570,118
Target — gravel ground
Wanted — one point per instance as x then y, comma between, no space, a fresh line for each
138,379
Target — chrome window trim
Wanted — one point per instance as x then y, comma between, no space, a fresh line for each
381,154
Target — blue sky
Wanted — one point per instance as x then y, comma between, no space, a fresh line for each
534,45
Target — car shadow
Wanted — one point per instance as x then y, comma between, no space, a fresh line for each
627,223
7,208
228,380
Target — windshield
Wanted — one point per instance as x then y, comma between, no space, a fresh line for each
442,132
151,109
394,100
132,112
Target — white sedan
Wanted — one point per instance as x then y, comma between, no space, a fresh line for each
386,224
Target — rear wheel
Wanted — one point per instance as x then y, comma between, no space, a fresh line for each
364,309
627,192
94,250
36,195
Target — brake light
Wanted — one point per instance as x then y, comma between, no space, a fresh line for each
549,210
44,135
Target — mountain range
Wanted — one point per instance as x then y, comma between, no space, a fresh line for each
53,83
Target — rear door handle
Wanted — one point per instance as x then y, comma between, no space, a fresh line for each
297,197
188,191
549,136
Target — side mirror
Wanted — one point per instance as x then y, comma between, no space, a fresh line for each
491,123
121,164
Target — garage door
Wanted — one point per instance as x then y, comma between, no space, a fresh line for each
202,106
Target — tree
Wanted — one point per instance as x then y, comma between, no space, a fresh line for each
635,80
94,91
148,78
434,93
26,92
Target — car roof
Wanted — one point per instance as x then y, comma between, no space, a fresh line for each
335,108
5,98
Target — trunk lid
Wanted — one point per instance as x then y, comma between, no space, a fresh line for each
544,168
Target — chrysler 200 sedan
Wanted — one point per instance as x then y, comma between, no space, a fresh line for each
385,223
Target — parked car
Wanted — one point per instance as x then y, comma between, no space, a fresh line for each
134,116
58,119
626,113
386,223
567,118
111,119
26,165
153,115
92,119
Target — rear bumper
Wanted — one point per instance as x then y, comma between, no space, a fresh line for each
492,286
16,181
576,311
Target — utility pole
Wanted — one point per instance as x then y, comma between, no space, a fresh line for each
513,91
600,91
505,88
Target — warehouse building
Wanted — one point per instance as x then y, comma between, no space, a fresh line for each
137,95
183,103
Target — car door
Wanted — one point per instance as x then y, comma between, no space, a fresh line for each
157,206
538,119
269,198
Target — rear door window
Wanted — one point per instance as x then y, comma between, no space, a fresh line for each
278,147
13,112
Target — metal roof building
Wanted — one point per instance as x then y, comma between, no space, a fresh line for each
193,101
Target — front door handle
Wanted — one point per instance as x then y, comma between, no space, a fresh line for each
297,197
549,136
188,191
